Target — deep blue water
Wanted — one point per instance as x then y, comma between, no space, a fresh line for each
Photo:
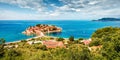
11,30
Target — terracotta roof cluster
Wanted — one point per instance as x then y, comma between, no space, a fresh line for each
53,44
41,28
86,42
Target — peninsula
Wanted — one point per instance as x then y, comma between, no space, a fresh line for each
41,29
108,19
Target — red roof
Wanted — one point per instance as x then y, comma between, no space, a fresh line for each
86,42
53,44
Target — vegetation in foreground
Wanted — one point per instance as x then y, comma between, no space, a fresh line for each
105,45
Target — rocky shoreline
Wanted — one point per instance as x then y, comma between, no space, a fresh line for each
41,29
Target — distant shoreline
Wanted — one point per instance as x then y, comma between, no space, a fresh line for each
108,19
30,39
20,40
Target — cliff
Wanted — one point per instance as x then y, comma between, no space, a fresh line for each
41,29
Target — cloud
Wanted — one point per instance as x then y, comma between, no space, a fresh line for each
68,5
11,15
79,8
54,14
31,4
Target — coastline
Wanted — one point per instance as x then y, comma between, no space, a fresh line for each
20,40
38,37
31,38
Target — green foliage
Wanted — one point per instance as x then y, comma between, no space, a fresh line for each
76,41
76,52
96,42
33,39
105,34
11,54
109,38
1,50
2,40
71,38
79,52
108,50
23,41
43,47
81,39
60,39
38,25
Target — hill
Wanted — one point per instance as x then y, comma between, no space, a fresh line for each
108,19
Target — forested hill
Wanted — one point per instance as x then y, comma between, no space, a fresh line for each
108,19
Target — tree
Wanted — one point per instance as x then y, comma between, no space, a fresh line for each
2,41
43,47
80,39
11,54
23,40
71,38
105,34
79,52
109,38
60,39
96,42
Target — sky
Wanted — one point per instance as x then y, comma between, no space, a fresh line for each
58,9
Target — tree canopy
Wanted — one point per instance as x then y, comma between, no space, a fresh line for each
109,38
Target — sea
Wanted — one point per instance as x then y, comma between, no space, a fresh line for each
11,30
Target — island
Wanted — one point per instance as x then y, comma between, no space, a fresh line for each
108,19
41,29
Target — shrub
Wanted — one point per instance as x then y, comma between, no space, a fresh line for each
71,38
80,39
43,47
96,43
23,41
60,39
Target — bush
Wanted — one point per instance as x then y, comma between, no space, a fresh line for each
109,38
80,39
71,38
77,41
23,41
43,47
11,54
60,39
2,40
96,43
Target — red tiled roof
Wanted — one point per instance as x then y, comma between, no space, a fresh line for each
86,42
53,44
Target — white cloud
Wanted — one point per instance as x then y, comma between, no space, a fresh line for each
81,9
93,2
54,14
12,15
31,4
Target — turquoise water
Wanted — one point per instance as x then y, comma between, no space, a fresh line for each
11,30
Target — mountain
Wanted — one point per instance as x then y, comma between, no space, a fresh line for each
108,19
